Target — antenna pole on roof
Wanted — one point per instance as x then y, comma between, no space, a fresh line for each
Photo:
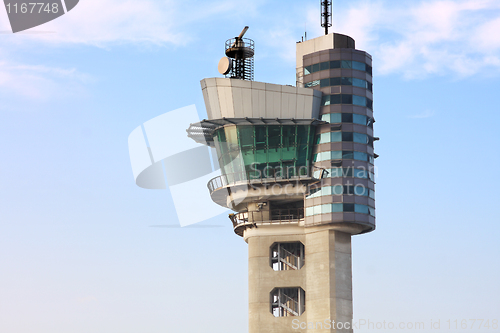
326,14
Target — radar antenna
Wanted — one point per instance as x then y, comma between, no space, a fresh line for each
326,14
238,62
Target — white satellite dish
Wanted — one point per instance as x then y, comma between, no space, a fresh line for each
225,65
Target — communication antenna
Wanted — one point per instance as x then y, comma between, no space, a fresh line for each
238,62
326,14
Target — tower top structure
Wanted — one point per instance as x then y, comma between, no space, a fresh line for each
326,14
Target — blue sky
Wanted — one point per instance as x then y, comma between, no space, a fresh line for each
77,250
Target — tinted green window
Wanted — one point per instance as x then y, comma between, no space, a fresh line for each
315,68
247,152
359,138
324,65
347,117
347,154
347,136
361,209
335,117
359,119
325,100
346,64
336,81
307,70
348,207
324,82
347,99
358,100
274,136
335,64
337,136
337,208
335,99
360,66
359,83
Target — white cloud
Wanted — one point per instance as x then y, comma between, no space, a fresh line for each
413,39
423,115
427,38
40,83
102,22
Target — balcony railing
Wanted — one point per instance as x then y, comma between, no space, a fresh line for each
303,173
274,216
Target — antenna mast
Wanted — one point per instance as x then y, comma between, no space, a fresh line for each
238,62
326,14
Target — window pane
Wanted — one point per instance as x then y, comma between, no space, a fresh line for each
347,117
326,117
315,68
335,64
335,81
325,100
337,208
358,119
326,190
359,83
369,103
336,136
358,100
324,82
348,172
336,155
274,136
337,190
260,136
347,155
371,211
346,99
346,64
360,156
324,138
360,66
325,156
361,209
371,193
335,99
360,138
311,84
246,136
309,211
347,81
369,69
369,86
347,136
316,210
325,209
324,65
348,189
348,207
335,172
335,117
360,173
307,70
360,190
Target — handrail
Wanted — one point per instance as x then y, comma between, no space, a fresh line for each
263,177
271,216
289,301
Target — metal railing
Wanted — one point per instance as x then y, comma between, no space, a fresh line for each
274,216
304,173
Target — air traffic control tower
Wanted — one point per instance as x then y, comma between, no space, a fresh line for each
297,170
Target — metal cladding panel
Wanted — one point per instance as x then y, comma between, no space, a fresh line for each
233,98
